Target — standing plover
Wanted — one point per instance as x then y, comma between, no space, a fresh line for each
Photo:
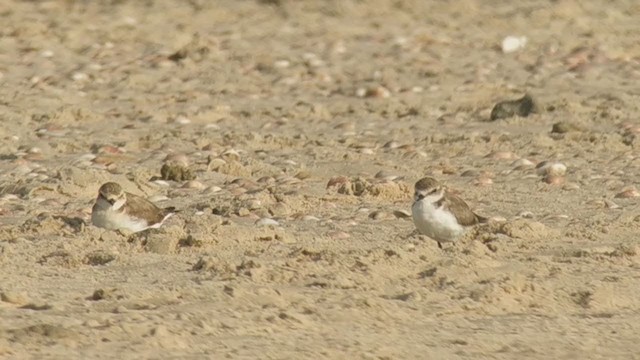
440,214
116,209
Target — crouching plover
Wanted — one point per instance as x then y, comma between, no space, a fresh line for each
116,209
440,214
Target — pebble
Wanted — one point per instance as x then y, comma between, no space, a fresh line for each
554,179
182,120
522,107
378,215
374,92
513,43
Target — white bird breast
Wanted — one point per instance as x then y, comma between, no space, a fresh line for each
435,222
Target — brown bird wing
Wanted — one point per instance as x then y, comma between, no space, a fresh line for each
461,210
145,209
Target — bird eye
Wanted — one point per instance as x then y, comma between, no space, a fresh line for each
433,191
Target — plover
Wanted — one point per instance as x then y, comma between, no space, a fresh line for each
116,209
439,214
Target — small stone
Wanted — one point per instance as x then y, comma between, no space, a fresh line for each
554,179
303,174
509,108
550,168
564,127
513,43
99,257
377,215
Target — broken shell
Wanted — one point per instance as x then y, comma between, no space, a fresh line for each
402,214
522,164
376,92
193,184
383,175
158,198
628,193
231,154
213,189
337,180
377,215
177,159
501,155
214,164
611,205
391,145
303,174
571,186
483,181
564,127
267,222
551,168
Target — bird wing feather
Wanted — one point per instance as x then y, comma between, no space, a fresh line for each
146,209
461,210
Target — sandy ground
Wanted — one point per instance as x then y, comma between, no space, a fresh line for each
303,126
